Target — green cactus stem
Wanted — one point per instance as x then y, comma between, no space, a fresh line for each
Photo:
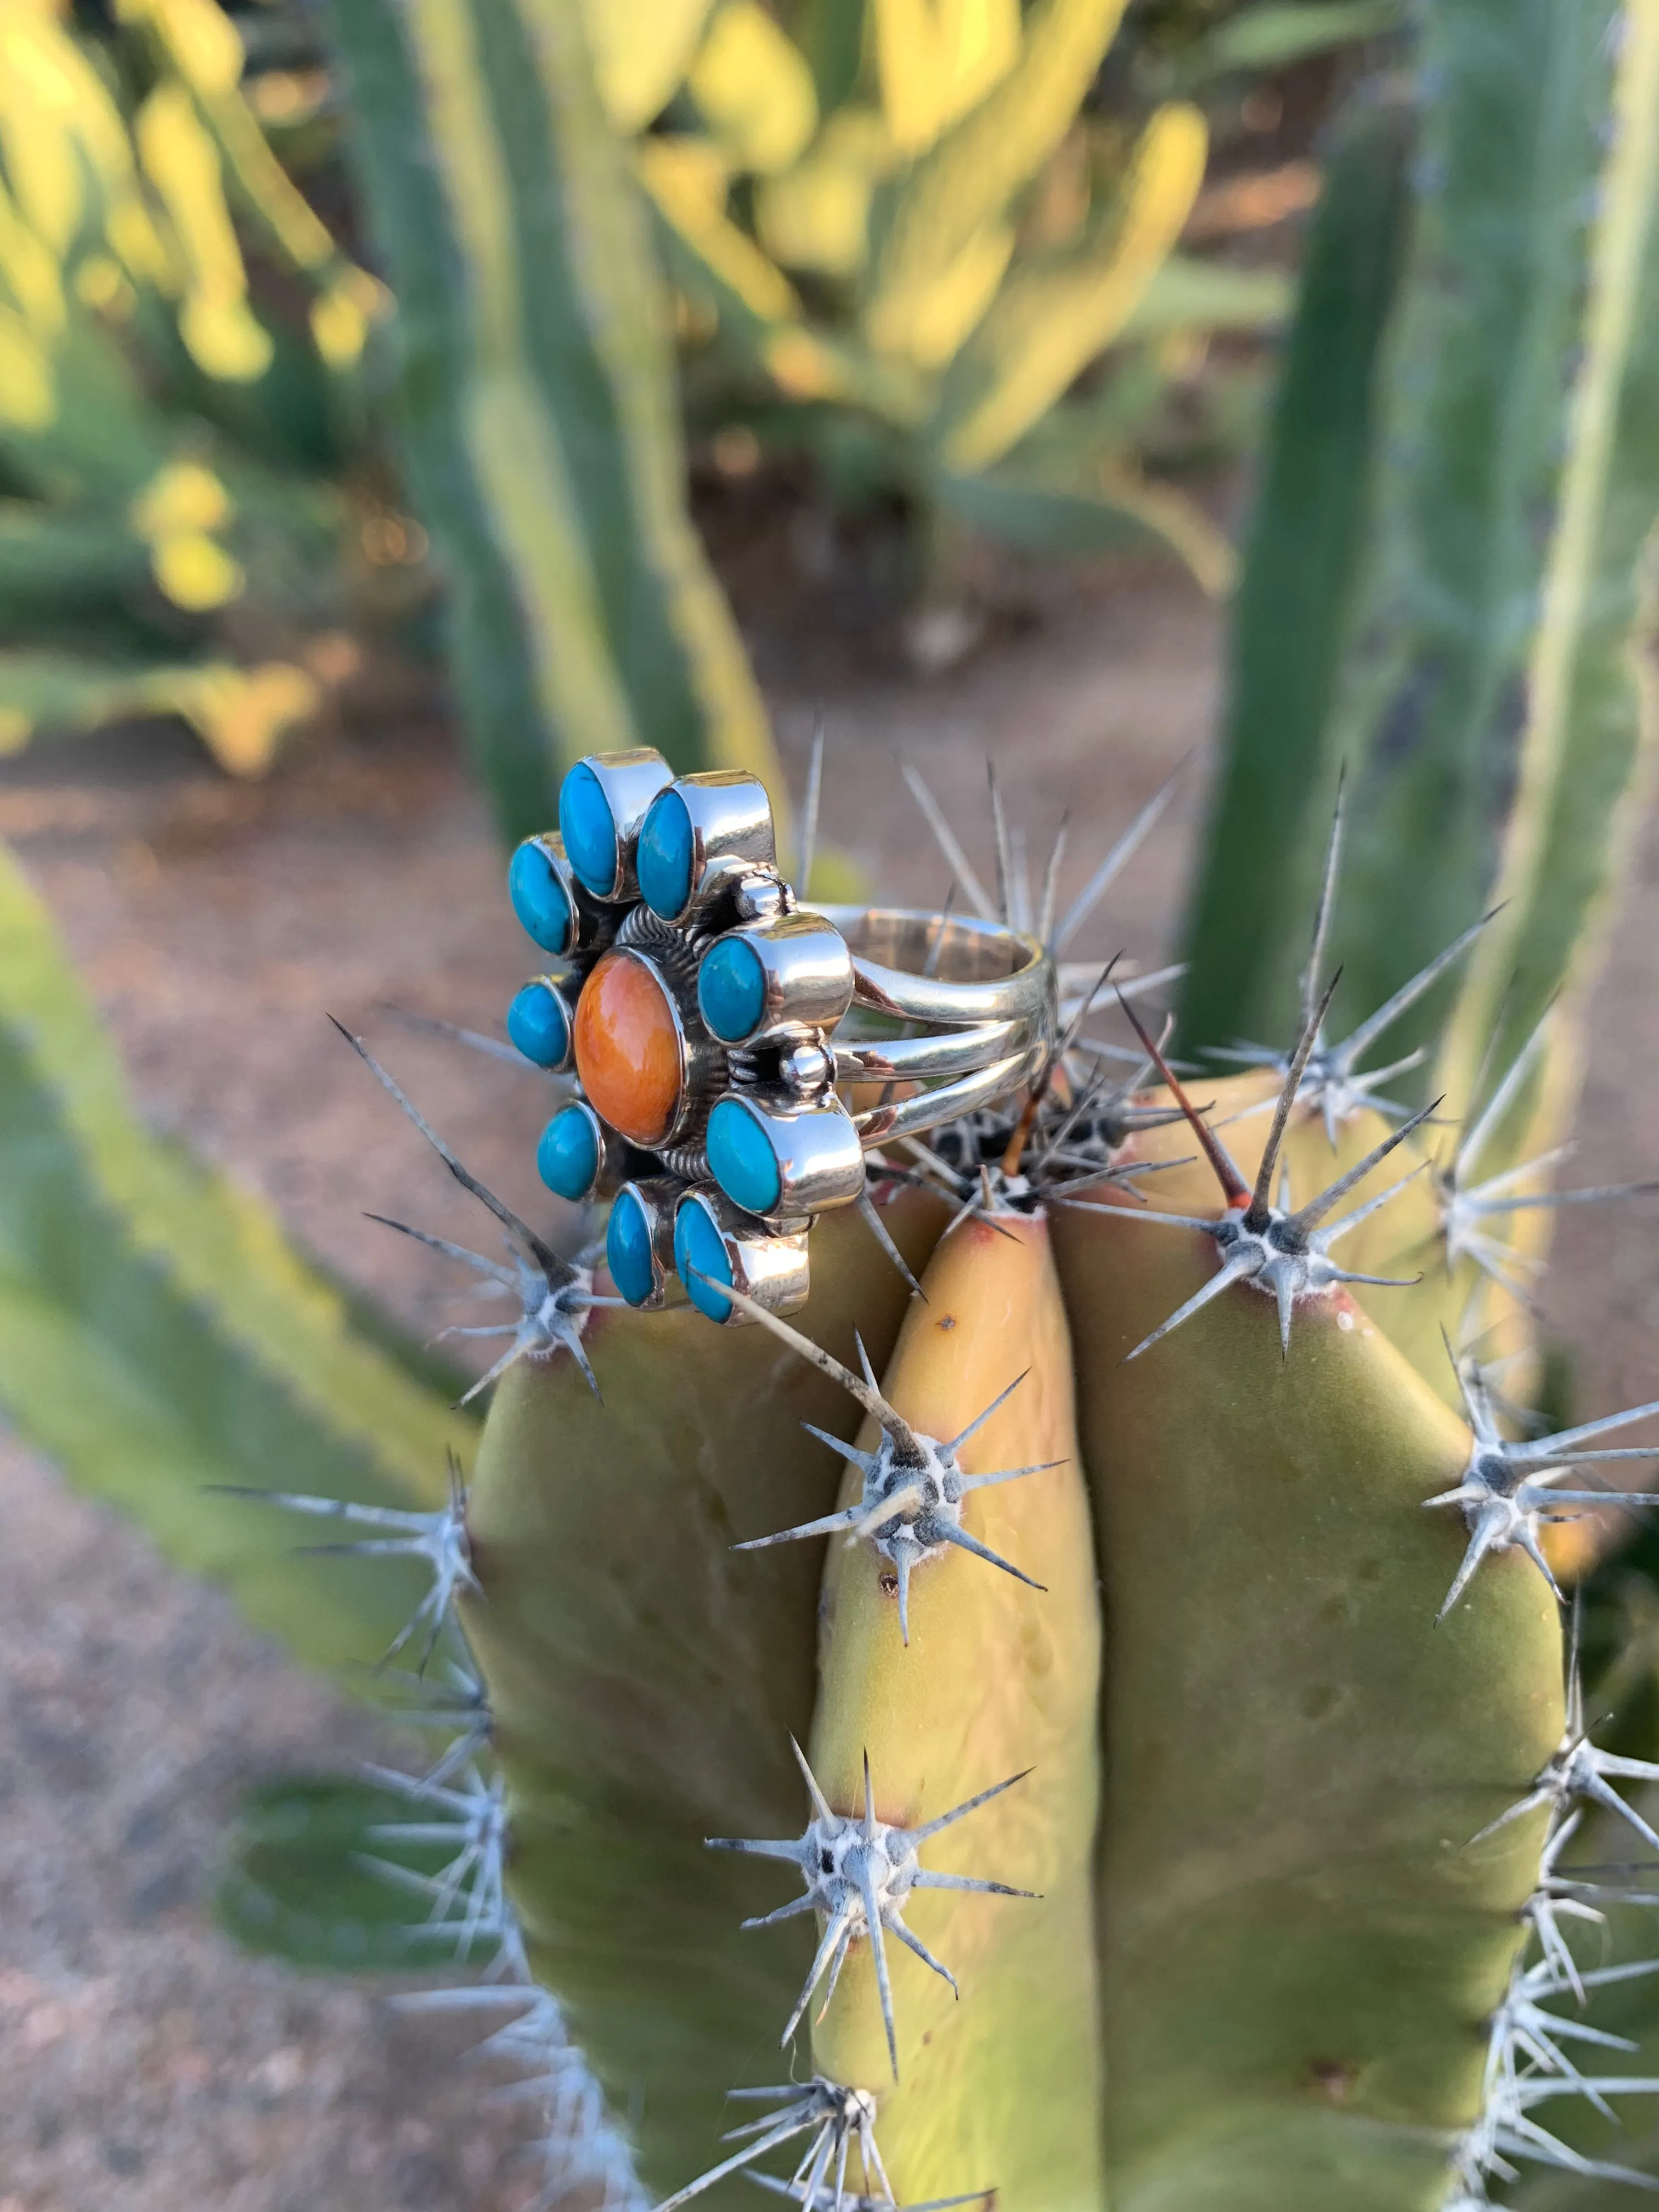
1299,1943
644,1679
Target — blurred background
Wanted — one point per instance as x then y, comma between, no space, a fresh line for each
293,635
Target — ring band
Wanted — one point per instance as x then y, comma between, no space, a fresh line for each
712,1024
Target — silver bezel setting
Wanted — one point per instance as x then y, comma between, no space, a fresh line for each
818,1149
731,833
768,1264
806,975
629,781
595,924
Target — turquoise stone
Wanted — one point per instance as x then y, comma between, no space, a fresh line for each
699,1244
568,1157
538,897
732,989
536,1024
741,1158
590,834
627,1249
662,858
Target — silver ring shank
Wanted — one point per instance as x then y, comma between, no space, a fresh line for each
912,1059
987,995
908,1117
944,970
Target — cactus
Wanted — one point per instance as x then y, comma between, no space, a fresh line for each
536,401
1168,1713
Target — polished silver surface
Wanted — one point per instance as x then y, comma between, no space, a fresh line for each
731,832
611,1151
807,972
596,923
952,1051
566,987
629,779
820,1158
945,969
927,1110
768,1264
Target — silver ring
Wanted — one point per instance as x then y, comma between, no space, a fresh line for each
712,1025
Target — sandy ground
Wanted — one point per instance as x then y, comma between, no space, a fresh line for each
148,2067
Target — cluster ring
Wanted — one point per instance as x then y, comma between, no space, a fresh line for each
735,1054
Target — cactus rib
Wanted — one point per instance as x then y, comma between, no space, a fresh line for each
1465,1205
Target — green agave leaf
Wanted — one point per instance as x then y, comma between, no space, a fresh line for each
1127,511
158,1335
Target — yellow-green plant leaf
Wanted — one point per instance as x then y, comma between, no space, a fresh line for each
969,178
937,58
1186,293
241,715
816,216
1052,318
202,46
687,179
944,311
753,87
215,321
642,50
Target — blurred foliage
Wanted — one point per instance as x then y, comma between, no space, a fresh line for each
933,243
192,518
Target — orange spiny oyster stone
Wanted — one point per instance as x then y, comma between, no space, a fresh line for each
628,1048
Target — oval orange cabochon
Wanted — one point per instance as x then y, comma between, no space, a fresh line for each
628,1048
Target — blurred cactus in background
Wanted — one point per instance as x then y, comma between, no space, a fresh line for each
192,516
